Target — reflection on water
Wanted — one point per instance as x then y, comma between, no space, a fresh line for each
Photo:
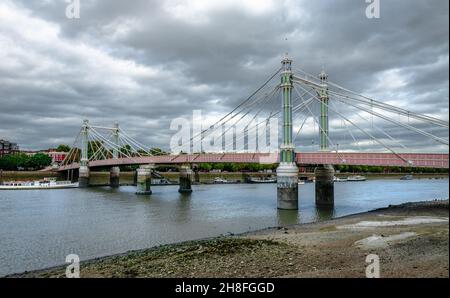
324,213
40,228
288,217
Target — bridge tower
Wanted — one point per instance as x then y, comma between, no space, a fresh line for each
324,173
83,177
114,174
287,172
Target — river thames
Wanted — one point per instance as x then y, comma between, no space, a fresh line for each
40,228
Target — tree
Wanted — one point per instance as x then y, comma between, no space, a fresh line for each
39,161
205,167
63,148
158,152
13,162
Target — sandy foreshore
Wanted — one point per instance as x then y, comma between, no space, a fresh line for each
411,240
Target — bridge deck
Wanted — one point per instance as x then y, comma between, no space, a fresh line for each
424,160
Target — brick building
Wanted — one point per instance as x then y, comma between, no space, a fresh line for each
6,147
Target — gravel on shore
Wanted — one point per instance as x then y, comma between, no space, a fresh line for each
411,240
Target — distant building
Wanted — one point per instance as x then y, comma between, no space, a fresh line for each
57,157
7,147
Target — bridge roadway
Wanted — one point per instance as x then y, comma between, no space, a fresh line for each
424,160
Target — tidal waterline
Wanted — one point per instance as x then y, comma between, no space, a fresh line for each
38,229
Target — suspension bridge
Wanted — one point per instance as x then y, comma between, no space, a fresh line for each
310,99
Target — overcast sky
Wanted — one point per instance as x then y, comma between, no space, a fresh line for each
144,63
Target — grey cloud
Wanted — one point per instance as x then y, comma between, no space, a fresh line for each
231,54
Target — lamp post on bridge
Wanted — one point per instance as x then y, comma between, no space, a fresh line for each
287,172
325,173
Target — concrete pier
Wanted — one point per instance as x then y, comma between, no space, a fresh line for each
324,185
287,186
83,177
114,177
196,175
185,179
144,180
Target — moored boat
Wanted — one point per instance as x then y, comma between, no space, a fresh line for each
356,178
48,183
338,179
262,180
407,177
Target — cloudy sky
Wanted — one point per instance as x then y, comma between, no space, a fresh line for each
146,62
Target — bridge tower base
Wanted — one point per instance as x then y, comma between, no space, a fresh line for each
324,185
185,179
83,177
287,186
114,177
144,180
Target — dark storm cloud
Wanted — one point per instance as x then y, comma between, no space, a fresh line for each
144,63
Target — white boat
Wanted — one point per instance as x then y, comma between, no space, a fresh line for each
337,179
356,178
407,177
301,182
218,180
43,184
262,180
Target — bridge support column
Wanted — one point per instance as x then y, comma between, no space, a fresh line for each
287,172
144,180
324,185
287,186
185,179
196,175
83,177
114,177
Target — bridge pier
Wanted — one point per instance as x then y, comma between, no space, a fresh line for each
114,177
196,175
144,180
185,179
324,185
83,177
287,186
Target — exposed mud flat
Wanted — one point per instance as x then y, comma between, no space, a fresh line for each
411,240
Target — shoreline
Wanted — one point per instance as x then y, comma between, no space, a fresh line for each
263,252
127,178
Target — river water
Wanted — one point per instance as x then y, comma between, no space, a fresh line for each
38,229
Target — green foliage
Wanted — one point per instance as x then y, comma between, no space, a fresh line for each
16,162
13,162
205,167
63,148
158,152
39,161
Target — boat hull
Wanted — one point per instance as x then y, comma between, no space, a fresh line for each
40,187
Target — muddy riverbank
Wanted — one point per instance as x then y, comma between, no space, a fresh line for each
411,240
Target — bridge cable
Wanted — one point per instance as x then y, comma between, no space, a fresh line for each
362,130
377,128
319,124
383,105
348,128
241,104
409,127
